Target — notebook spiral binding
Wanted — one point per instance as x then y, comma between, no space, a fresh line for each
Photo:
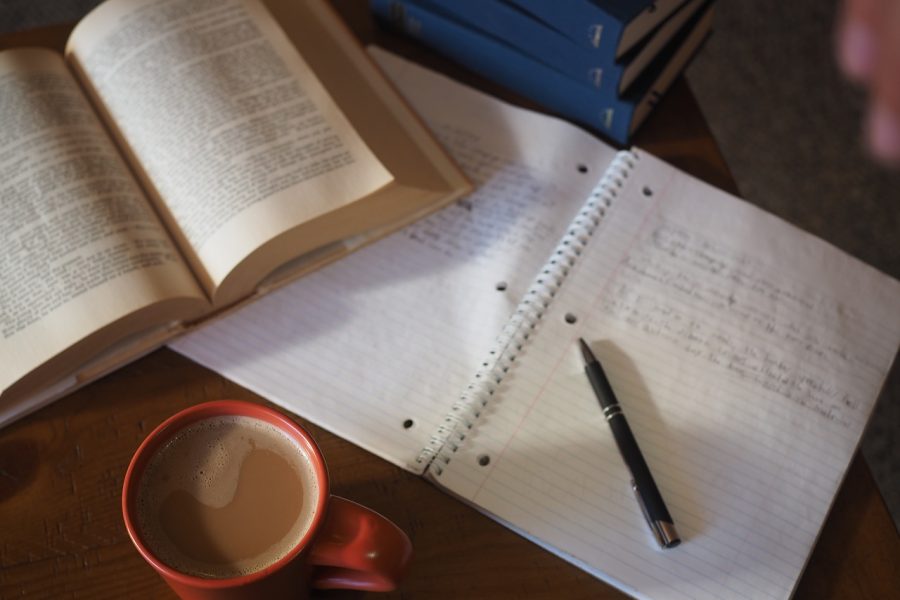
466,410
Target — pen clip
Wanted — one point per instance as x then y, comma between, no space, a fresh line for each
664,532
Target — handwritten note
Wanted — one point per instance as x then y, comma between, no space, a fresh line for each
510,213
669,287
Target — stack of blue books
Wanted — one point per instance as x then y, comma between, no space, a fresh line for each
602,63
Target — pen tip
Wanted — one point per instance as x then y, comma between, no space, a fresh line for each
586,351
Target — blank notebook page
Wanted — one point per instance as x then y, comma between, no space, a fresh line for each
747,363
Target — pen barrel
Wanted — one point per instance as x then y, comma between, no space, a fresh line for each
640,472
602,389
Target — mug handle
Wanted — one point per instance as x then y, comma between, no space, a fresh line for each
358,549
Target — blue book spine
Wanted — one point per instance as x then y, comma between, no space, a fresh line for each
603,111
530,36
587,22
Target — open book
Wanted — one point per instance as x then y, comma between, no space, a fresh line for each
741,349
180,158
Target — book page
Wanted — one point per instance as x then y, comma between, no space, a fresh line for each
747,363
80,246
377,346
230,127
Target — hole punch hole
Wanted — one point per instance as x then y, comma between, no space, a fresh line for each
582,169
484,460
647,191
501,286
408,423
570,318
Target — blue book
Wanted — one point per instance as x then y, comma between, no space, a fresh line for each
615,116
613,26
585,64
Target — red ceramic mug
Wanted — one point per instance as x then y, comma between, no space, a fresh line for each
347,546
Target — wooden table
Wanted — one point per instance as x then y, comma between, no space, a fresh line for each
61,469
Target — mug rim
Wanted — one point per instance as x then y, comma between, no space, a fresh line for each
186,417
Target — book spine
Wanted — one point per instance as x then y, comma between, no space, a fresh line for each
530,36
478,394
602,110
584,22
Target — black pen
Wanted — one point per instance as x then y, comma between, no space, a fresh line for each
642,483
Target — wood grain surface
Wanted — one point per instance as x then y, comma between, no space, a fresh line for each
61,468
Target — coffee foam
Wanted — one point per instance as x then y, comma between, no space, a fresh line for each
205,460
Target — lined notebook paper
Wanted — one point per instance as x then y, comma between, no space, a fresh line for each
747,364
741,350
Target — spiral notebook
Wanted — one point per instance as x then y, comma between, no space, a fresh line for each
740,347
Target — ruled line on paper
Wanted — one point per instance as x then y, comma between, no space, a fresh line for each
609,534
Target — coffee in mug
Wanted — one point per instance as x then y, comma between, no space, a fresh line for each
230,500
225,497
